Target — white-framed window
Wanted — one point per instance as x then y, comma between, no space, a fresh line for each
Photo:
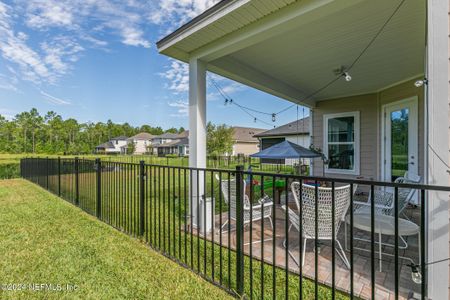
341,142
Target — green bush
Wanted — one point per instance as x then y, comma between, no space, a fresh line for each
9,170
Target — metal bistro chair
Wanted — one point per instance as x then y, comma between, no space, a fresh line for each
384,203
324,205
229,194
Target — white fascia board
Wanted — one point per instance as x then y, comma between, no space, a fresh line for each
211,18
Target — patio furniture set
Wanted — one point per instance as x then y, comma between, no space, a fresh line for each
384,223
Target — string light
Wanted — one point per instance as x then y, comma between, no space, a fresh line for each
347,76
344,73
420,83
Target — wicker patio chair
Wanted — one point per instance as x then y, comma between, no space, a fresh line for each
324,206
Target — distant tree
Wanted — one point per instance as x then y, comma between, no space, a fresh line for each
131,147
172,130
219,139
181,129
50,133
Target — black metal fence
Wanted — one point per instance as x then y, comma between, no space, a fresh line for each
221,162
243,231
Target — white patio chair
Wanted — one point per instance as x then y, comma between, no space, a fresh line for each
384,199
257,212
384,203
324,205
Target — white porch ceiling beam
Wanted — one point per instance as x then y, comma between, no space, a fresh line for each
290,17
249,76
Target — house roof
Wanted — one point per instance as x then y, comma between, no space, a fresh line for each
107,145
174,143
293,128
246,134
184,134
166,136
142,136
120,138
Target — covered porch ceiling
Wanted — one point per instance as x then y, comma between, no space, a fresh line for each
290,48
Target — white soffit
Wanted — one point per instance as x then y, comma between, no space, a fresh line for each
291,53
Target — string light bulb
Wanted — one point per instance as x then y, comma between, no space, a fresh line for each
254,120
274,117
420,83
347,76
415,274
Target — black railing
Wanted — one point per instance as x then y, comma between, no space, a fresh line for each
243,231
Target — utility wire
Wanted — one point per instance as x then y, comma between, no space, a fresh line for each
229,100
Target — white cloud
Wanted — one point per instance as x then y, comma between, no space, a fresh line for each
177,76
173,13
7,113
60,52
182,108
72,26
124,18
55,100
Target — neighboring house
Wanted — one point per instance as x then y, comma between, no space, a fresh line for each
377,87
170,143
116,145
244,142
142,142
163,138
178,147
296,132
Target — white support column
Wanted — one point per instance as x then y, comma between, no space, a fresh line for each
197,131
436,147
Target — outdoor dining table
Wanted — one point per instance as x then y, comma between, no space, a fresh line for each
384,225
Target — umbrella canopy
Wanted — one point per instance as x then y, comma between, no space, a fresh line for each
286,149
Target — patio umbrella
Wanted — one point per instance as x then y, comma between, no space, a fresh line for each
286,149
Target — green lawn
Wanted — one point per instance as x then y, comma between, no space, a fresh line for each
166,208
45,240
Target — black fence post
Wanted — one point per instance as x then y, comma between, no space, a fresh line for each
59,176
98,164
142,178
240,230
77,182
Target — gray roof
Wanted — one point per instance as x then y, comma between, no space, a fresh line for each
107,145
246,134
293,128
120,138
174,143
166,136
183,134
142,136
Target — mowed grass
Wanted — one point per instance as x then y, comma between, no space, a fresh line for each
45,240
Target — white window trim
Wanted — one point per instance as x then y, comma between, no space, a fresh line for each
354,114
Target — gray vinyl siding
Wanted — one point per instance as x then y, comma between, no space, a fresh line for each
369,106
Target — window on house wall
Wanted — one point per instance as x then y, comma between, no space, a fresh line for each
341,142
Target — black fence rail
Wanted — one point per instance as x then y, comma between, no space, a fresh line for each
290,166
256,234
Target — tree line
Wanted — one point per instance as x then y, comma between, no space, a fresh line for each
31,132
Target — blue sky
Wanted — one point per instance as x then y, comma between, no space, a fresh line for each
95,60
